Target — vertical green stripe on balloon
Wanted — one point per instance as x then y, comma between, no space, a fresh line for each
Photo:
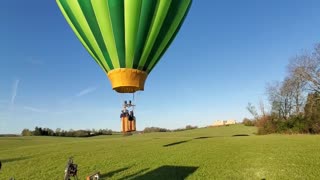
182,12
77,33
167,23
101,10
132,9
88,13
155,28
148,8
70,17
83,25
116,8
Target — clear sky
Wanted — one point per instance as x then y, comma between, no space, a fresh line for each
222,59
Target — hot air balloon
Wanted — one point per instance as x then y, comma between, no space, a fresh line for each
126,38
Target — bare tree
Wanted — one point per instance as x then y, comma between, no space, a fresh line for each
298,87
273,93
262,108
252,111
287,96
281,97
306,68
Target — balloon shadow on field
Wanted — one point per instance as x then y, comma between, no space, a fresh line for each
175,143
237,135
206,137
112,173
167,173
180,142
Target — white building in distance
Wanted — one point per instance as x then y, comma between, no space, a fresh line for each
223,122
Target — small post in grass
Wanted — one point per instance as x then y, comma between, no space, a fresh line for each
71,170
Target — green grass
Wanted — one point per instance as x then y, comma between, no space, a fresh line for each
207,153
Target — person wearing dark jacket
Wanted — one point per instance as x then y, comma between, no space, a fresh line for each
131,116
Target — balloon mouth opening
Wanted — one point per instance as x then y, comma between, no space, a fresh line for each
126,80
127,89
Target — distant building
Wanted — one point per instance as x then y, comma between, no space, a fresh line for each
219,123
231,122
223,122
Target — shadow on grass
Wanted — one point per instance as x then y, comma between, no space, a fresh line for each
180,142
134,174
205,137
112,173
175,143
14,159
240,135
168,172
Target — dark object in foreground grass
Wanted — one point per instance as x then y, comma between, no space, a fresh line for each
71,170
168,172
93,176
175,143
0,165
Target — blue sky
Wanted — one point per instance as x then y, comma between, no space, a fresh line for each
229,51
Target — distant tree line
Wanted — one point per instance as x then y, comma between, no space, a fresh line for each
157,129
9,135
295,101
38,131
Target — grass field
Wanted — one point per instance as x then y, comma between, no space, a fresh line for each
231,152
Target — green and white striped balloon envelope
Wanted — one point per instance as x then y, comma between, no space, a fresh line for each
125,37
